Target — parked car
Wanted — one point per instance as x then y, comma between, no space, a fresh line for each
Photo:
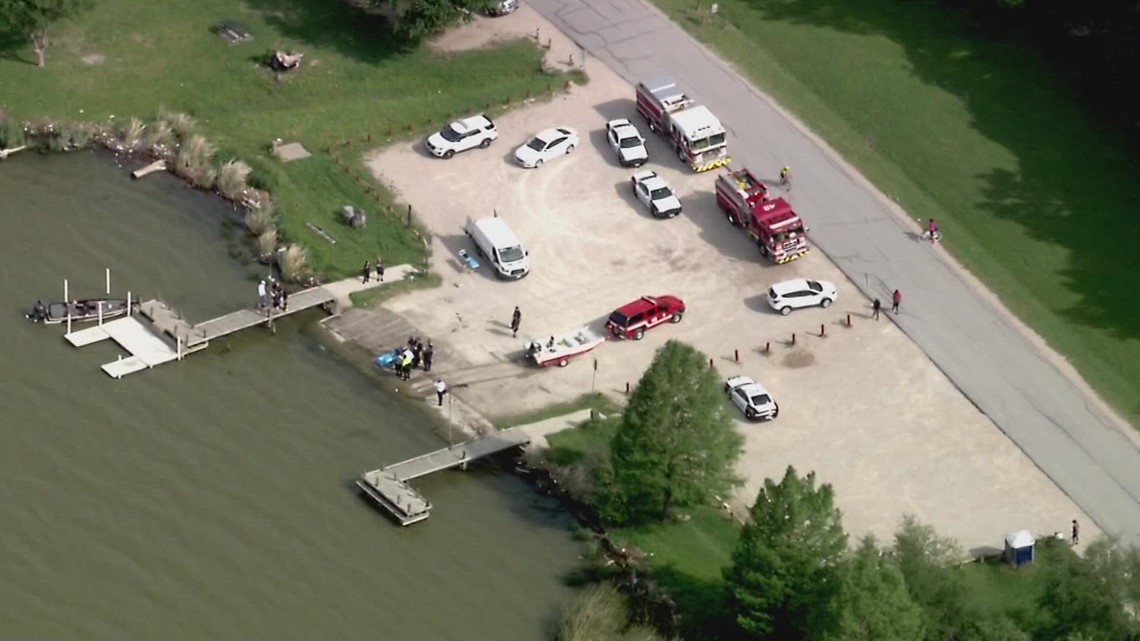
656,194
626,142
504,7
547,145
461,135
635,317
801,292
751,398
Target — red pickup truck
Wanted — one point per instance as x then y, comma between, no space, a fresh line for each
632,319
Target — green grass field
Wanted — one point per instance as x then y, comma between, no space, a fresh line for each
130,58
1033,195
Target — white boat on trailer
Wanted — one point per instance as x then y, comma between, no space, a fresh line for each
558,349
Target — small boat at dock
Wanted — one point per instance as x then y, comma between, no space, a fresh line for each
80,311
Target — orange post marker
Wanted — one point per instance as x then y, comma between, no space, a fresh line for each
822,330
627,388
793,339
849,320
736,355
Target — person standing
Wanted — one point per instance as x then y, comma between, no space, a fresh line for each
516,321
379,269
407,364
365,272
417,353
429,353
284,300
440,391
1076,532
896,300
875,307
262,300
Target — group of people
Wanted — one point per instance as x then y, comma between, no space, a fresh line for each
366,271
274,291
414,355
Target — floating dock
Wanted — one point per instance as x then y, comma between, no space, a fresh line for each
388,486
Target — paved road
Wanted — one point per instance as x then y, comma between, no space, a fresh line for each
998,368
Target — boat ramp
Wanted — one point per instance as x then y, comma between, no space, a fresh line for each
388,486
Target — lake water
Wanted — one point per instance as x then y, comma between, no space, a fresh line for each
212,498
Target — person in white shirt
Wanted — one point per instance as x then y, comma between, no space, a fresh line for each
440,390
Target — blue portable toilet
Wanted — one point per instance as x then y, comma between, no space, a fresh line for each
1019,548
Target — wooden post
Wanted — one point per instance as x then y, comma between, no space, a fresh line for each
67,305
108,281
409,215
178,345
100,304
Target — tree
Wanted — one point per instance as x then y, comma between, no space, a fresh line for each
416,19
676,445
923,556
874,604
33,18
786,572
1091,597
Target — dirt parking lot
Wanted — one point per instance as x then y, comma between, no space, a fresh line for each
861,406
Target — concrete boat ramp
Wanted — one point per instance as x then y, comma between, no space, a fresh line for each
388,486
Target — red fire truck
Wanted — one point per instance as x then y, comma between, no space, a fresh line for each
694,132
770,221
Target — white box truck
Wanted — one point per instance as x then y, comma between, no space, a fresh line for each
498,245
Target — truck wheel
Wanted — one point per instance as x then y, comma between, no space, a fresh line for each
825,303
784,311
652,125
763,249
486,143
681,157
676,317
563,363
639,334
449,153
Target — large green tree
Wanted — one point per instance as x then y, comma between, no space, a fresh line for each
32,19
416,19
1092,598
874,604
676,445
786,574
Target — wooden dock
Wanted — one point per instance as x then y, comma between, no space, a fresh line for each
388,486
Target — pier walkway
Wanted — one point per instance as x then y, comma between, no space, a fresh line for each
159,334
388,486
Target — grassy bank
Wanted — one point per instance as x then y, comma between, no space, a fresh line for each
130,58
1034,197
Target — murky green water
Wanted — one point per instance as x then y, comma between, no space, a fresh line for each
211,499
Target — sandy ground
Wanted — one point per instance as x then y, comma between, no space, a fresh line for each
862,406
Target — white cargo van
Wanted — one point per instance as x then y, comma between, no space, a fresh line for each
498,245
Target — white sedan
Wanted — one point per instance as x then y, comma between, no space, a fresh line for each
751,398
626,142
547,145
801,292
656,194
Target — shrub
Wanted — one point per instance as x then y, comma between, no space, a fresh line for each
131,134
194,162
160,139
294,263
600,613
266,242
231,179
258,219
181,124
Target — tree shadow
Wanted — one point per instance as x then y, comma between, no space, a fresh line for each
1054,176
355,32
701,606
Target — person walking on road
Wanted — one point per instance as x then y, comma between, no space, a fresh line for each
365,272
440,391
875,307
516,320
896,300
1076,532
379,269
429,353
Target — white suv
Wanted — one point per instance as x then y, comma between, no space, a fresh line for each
751,398
801,292
461,135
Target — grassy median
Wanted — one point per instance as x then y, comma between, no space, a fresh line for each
1034,196
132,58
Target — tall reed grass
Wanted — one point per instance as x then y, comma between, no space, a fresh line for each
232,179
294,263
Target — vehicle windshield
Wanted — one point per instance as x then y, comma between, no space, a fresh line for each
705,143
619,319
511,254
630,143
450,134
791,234
814,286
660,193
760,400
537,144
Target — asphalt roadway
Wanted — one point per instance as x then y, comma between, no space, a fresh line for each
1048,415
